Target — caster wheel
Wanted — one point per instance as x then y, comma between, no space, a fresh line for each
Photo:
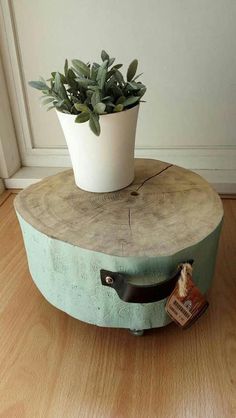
137,332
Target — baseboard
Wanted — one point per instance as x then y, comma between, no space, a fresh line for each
224,181
26,176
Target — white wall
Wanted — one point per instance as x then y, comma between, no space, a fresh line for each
186,49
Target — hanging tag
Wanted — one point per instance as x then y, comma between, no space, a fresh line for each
186,303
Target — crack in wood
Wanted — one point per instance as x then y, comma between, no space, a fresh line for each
154,175
129,216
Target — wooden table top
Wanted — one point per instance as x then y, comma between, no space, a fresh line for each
166,209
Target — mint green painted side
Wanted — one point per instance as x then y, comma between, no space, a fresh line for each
69,278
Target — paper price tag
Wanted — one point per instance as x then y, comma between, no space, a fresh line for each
186,303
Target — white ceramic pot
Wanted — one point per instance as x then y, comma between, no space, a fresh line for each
102,163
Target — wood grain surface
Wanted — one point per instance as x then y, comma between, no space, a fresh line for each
53,366
166,209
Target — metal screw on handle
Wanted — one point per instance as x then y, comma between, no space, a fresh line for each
109,280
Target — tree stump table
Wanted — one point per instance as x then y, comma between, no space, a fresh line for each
108,259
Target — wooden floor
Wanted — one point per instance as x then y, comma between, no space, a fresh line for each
53,366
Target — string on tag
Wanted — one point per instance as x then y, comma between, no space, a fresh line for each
186,271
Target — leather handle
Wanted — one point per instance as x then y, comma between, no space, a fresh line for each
134,293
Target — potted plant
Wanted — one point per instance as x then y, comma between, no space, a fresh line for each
94,100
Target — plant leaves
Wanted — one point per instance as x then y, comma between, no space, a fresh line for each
106,98
111,61
93,71
81,107
118,108
110,104
137,76
39,85
47,101
84,82
63,79
99,108
117,66
142,91
131,100
132,70
121,100
59,87
82,117
89,93
74,99
95,98
81,67
131,85
59,104
50,108
119,77
94,124
66,67
101,74
116,91
89,90
71,80
104,55
113,70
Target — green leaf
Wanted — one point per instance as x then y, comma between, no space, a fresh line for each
50,108
131,100
113,70
106,98
142,91
132,70
66,67
99,108
109,107
59,87
64,111
48,100
39,85
101,74
117,66
104,55
116,90
84,82
81,107
82,117
119,108
74,99
59,104
110,104
137,76
48,95
89,93
121,100
119,77
81,67
95,98
111,61
93,71
131,85
63,79
71,80
94,124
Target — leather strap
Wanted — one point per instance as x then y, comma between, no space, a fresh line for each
134,293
